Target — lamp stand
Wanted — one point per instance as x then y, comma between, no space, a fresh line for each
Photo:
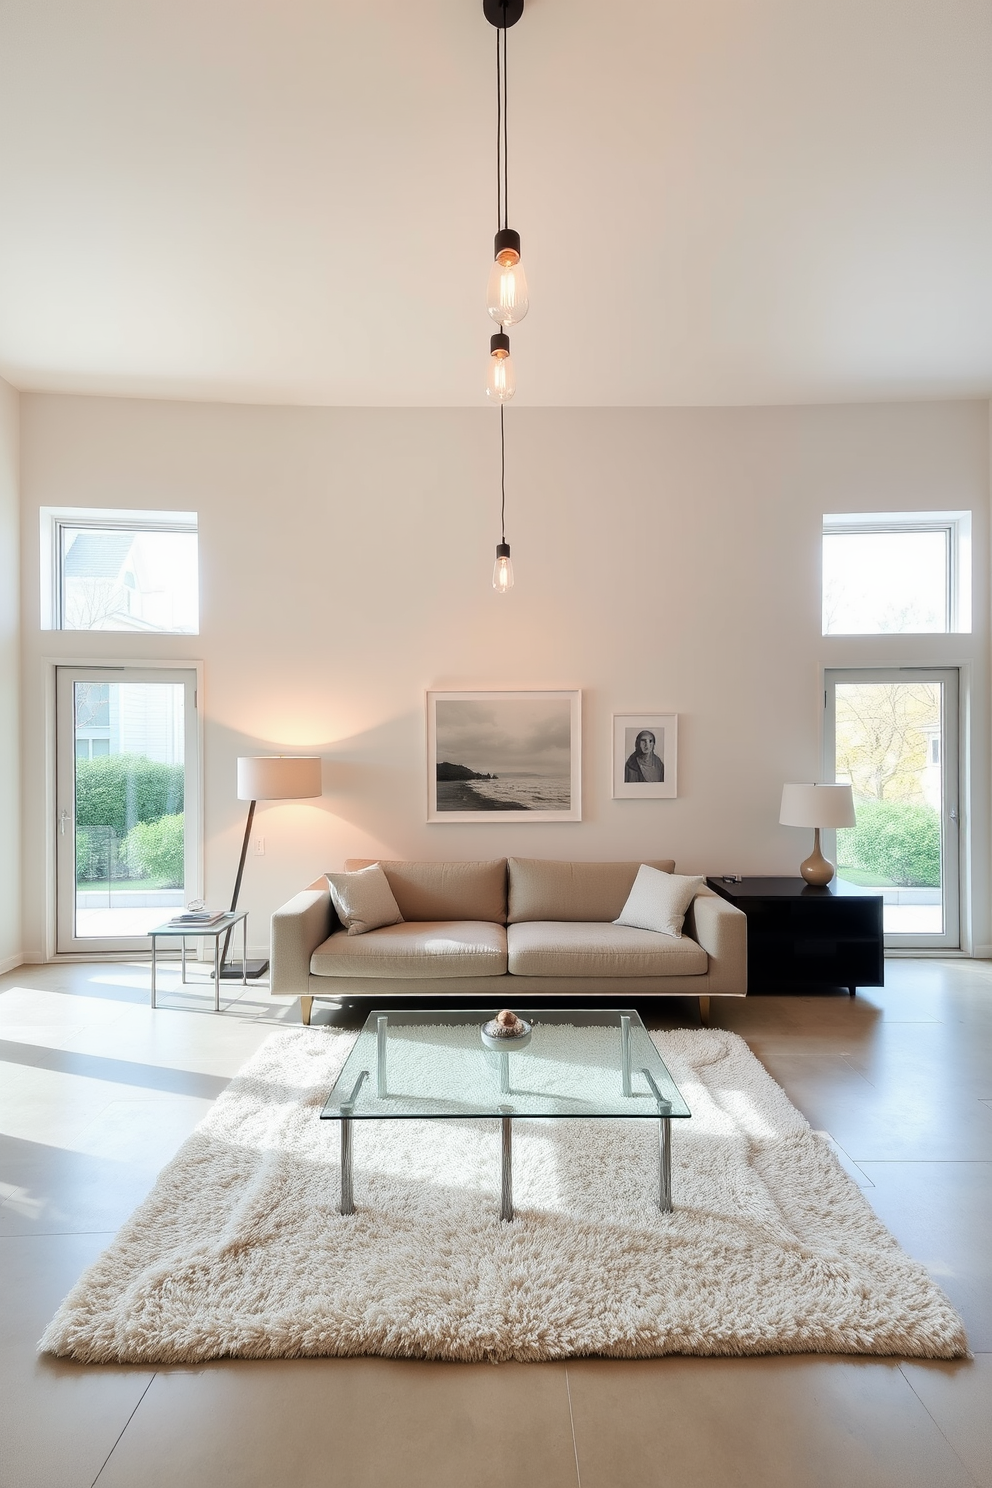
816,869
231,971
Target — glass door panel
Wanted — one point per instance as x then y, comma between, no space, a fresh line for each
126,836
893,735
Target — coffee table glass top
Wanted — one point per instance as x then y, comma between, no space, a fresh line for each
434,1064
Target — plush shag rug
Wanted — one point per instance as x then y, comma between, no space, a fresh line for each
239,1250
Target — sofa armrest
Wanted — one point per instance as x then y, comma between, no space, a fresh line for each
298,928
721,929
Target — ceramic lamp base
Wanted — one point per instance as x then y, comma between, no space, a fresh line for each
817,869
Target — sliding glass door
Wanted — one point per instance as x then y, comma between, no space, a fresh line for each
893,733
126,809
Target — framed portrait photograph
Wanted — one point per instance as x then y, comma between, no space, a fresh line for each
504,756
645,756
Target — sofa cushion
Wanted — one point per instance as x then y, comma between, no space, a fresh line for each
557,948
545,889
441,948
659,901
446,891
363,901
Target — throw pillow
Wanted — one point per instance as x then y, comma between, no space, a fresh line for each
658,901
363,900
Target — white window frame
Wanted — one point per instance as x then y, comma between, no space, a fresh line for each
54,520
50,670
957,527
953,837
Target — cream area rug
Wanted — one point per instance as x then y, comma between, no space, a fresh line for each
239,1250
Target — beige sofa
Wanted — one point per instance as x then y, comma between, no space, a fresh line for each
514,930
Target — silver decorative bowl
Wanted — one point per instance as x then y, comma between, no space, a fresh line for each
505,1043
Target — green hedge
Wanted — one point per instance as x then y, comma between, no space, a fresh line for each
121,790
98,855
155,850
899,840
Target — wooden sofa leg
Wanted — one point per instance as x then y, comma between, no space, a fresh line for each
306,1003
704,1012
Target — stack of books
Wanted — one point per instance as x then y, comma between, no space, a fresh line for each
194,917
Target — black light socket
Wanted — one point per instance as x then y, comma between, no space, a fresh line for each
502,13
499,342
502,550
505,239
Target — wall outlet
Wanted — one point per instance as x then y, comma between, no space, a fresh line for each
259,847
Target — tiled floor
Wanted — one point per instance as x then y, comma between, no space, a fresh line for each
97,1091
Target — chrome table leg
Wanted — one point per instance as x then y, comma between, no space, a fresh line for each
381,1025
665,1164
347,1111
347,1190
664,1145
506,1167
625,1054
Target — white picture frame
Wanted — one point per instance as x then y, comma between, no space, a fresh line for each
521,753
627,749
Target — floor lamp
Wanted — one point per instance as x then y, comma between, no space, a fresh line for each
268,778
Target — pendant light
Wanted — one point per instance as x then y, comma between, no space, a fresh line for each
502,568
506,293
501,383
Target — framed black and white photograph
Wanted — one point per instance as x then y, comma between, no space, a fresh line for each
645,756
503,756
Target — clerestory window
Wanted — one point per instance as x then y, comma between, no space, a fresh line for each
896,573
120,570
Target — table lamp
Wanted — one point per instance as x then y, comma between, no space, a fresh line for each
817,806
278,777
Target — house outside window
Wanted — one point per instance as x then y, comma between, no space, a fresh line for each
120,570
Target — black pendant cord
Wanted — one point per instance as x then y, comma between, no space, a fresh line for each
499,134
506,142
502,478
502,168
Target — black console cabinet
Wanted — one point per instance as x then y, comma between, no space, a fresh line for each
800,935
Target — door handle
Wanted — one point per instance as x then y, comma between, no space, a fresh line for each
63,818
953,814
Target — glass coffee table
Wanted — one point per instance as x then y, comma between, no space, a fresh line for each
589,1063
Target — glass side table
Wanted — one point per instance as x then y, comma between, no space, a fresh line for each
195,932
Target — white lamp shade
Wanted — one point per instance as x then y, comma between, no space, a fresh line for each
817,806
279,778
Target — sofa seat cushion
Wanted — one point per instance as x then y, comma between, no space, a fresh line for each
559,948
438,948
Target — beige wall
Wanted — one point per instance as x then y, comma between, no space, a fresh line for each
10,667
666,560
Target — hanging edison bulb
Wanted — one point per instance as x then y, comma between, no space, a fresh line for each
501,383
506,294
502,569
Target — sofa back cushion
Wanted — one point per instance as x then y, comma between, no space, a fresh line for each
545,889
445,891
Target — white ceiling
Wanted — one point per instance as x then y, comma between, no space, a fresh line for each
292,201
